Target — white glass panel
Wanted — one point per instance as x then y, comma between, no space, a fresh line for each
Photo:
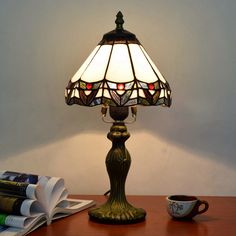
134,94
142,68
120,69
81,70
87,92
141,93
106,94
99,94
120,92
96,69
165,93
162,93
76,93
154,66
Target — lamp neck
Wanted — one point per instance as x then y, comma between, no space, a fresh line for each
119,114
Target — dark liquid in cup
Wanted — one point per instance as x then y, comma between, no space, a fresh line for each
182,198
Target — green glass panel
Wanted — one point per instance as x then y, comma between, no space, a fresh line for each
108,102
82,85
156,85
116,97
143,101
143,85
125,97
112,85
96,85
156,96
96,101
129,85
131,102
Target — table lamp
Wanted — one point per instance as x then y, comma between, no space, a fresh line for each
118,75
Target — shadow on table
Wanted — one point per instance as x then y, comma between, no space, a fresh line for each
197,226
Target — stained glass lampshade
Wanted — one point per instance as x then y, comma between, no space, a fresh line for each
118,74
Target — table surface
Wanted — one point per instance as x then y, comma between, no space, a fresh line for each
220,220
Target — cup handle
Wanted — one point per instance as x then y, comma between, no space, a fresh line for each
205,203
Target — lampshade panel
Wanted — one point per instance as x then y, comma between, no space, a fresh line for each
97,66
120,68
79,73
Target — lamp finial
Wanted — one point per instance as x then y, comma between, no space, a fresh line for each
119,21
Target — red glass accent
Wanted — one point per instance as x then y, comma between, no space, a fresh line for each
89,86
120,86
151,86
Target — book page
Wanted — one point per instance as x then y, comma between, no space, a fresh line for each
8,231
28,227
19,221
31,208
73,206
53,190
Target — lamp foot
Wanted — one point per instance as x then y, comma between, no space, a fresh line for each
117,213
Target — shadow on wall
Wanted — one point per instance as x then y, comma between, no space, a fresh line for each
212,138
198,64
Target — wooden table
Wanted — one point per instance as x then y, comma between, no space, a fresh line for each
220,220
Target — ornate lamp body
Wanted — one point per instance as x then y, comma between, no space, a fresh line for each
118,74
117,210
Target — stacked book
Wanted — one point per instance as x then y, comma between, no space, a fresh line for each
28,201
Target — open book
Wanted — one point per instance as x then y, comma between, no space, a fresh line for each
28,201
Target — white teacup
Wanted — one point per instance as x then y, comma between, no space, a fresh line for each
185,207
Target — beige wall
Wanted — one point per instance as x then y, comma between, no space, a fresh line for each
189,148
